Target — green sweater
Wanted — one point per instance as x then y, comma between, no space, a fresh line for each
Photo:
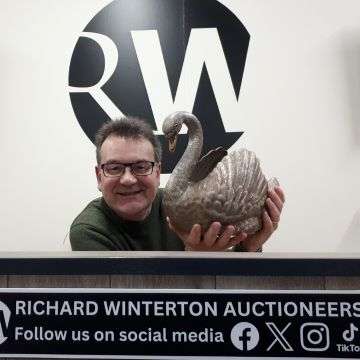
98,228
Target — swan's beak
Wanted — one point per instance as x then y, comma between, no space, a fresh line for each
172,144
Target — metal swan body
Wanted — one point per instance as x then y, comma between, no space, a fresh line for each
230,188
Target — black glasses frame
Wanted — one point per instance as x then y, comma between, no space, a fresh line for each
130,166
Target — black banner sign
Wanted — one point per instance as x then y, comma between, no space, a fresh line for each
178,323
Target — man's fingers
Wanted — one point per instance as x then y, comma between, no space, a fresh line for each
194,236
211,234
235,240
273,211
239,238
279,191
269,225
276,199
224,241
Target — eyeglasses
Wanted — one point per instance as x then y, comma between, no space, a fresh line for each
140,168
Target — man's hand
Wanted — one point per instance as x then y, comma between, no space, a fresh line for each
271,218
212,240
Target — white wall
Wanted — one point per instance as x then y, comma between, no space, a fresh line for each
299,107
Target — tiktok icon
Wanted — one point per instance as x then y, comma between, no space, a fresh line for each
349,334
244,336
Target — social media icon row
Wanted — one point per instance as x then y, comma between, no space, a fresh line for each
314,336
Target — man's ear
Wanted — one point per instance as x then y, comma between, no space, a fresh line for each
158,172
98,177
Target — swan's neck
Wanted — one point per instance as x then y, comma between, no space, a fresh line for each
179,178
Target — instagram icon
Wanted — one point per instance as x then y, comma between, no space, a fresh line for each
314,336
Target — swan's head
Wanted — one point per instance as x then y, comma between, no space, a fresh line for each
171,128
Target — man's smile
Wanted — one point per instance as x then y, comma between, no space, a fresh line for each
129,193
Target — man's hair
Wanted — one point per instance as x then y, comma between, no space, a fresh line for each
130,128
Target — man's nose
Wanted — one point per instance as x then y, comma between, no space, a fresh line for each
128,178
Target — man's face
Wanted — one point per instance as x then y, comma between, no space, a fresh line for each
129,196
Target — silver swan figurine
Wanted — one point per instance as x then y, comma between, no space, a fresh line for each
230,188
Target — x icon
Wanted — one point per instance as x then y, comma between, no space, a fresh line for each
279,337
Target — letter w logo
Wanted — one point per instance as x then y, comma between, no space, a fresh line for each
204,48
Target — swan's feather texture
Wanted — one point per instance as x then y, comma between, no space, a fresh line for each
233,193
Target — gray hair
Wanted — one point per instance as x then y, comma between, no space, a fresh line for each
130,128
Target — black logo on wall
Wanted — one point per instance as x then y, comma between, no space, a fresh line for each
148,58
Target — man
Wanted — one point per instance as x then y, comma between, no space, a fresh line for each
129,215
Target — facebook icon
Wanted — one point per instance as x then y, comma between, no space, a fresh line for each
244,336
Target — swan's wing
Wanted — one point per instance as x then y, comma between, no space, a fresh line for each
242,183
234,191
207,163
